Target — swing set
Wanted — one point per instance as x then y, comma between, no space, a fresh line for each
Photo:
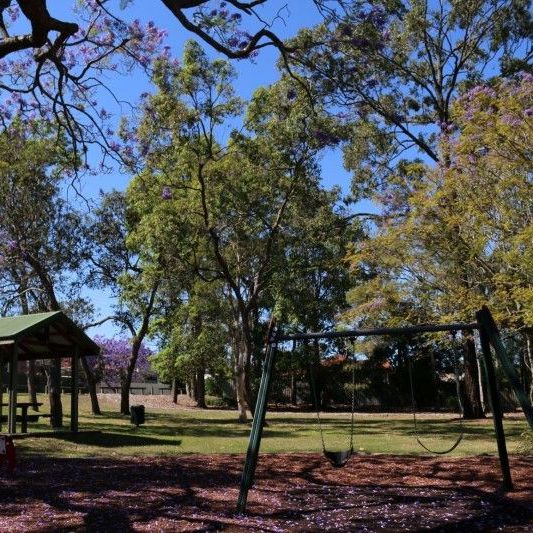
489,336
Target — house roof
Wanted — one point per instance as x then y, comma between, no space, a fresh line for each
44,336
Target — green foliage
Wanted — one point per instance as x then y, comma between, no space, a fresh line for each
452,246
241,213
41,252
390,70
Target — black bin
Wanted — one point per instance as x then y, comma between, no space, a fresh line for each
137,414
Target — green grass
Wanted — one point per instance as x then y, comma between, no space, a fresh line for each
170,432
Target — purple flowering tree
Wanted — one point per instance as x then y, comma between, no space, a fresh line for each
121,360
390,73
56,70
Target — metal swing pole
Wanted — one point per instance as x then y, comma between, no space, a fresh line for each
257,425
497,413
486,321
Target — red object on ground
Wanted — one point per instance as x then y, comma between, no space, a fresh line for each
7,453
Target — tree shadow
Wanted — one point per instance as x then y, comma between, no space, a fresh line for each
105,439
292,492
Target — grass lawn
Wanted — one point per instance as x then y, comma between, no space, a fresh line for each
184,431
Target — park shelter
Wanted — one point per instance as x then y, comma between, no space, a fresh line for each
41,336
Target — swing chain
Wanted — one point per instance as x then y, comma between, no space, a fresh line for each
414,408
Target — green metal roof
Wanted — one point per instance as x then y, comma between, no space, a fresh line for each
11,327
43,334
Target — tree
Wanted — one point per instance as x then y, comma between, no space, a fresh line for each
55,73
458,246
119,267
58,68
223,210
391,70
115,357
194,338
41,253
309,287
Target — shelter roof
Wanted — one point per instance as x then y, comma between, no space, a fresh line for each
44,336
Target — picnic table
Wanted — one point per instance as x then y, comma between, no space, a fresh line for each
23,418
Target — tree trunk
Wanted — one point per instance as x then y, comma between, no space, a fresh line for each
200,388
54,394
239,365
32,389
472,407
125,396
174,390
294,382
125,380
529,364
240,389
91,386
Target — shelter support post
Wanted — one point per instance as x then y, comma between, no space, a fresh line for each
12,391
2,362
257,426
497,413
74,369
486,320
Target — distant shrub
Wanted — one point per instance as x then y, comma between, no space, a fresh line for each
217,402
526,442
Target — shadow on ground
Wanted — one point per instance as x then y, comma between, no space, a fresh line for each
292,492
103,439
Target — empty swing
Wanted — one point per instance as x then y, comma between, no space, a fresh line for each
414,408
337,459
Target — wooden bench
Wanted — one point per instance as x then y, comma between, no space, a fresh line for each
23,420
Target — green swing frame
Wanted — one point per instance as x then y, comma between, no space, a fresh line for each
489,336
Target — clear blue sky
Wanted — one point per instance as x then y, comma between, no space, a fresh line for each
251,75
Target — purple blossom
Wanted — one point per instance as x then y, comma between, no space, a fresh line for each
511,120
166,193
115,357
529,112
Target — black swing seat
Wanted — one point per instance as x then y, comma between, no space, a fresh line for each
338,459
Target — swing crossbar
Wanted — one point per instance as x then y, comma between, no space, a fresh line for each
400,330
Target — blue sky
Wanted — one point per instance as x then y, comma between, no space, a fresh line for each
251,75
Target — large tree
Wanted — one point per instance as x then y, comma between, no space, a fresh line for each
223,209
119,268
391,70
466,237
41,252
56,62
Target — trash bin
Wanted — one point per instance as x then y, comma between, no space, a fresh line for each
137,414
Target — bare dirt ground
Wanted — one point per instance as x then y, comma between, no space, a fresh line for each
293,492
151,401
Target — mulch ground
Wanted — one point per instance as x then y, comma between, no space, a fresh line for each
293,492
